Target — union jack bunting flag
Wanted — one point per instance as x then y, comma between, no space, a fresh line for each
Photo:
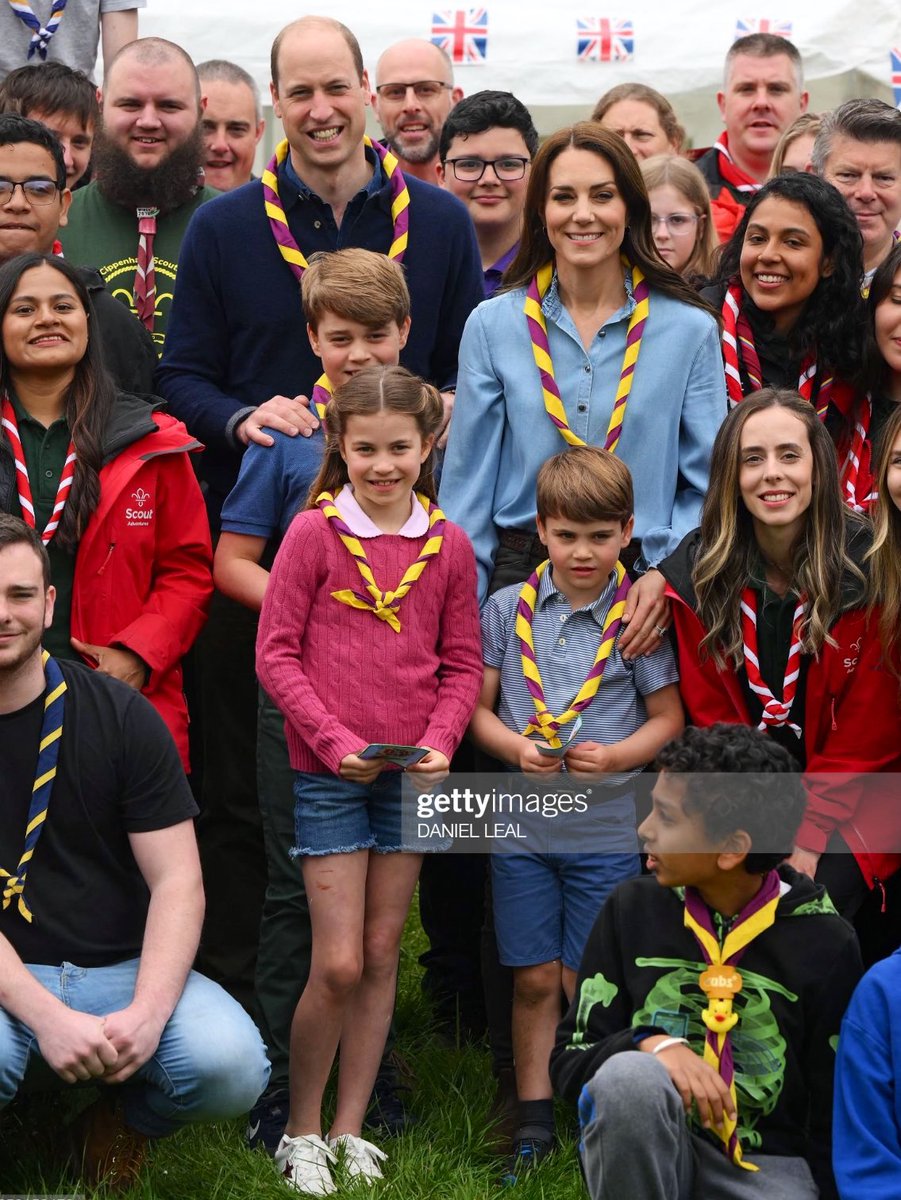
462,33
604,40
896,74
762,25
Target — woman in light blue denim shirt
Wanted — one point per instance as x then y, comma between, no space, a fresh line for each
587,212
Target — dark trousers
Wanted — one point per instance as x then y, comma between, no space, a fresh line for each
875,914
286,935
229,830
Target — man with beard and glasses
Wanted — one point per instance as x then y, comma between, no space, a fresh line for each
148,180
414,92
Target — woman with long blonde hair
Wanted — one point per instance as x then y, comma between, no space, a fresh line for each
771,620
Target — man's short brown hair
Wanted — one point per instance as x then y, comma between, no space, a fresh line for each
585,483
358,285
323,23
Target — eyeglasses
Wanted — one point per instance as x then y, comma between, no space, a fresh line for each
425,89
676,223
471,170
35,191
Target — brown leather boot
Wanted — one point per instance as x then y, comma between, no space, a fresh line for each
108,1151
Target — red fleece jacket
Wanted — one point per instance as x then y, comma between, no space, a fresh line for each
852,733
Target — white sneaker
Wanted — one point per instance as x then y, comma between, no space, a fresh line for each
304,1164
359,1158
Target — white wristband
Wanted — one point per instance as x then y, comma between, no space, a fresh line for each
670,1041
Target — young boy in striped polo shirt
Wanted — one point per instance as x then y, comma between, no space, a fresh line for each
555,680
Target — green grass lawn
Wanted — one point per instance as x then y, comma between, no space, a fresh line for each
445,1156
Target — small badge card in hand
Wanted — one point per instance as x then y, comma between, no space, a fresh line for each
567,737
401,756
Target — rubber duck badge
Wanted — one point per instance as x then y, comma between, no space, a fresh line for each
720,985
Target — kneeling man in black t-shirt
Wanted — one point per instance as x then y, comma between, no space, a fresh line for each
102,900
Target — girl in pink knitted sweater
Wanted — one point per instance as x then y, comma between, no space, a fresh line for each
369,633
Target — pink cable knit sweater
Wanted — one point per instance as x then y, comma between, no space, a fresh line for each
342,677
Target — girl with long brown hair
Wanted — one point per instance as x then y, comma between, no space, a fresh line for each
771,620
369,635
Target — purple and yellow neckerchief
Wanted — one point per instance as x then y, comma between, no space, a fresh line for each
45,773
383,605
322,394
541,352
756,917
41,35
544,721
278,220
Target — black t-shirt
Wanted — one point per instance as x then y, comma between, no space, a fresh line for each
118,773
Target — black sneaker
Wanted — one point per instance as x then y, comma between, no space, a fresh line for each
387,1112
266,1121
527,1154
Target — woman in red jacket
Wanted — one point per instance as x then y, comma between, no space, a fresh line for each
108,482
772,629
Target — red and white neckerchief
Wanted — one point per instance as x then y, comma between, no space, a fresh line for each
856,467
9,423
145,274
775,712
739,351
731,171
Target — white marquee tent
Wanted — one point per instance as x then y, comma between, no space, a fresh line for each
558,56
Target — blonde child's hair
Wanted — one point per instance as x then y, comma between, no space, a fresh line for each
378,389
358,285
685,177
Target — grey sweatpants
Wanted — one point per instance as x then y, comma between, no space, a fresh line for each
636,1143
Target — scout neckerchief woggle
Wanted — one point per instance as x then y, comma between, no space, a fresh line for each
40,34
775,712
383,605
26,503
544,721
721,983
740,351
278,221
45,774
541,351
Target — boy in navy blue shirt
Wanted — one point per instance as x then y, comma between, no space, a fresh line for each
556,636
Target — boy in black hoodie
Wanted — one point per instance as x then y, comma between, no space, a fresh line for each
716,997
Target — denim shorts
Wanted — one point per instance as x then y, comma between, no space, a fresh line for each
545,904
338,816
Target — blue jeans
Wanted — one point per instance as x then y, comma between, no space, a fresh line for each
210,1064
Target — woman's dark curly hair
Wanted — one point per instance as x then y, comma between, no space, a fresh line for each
874,370
834,318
